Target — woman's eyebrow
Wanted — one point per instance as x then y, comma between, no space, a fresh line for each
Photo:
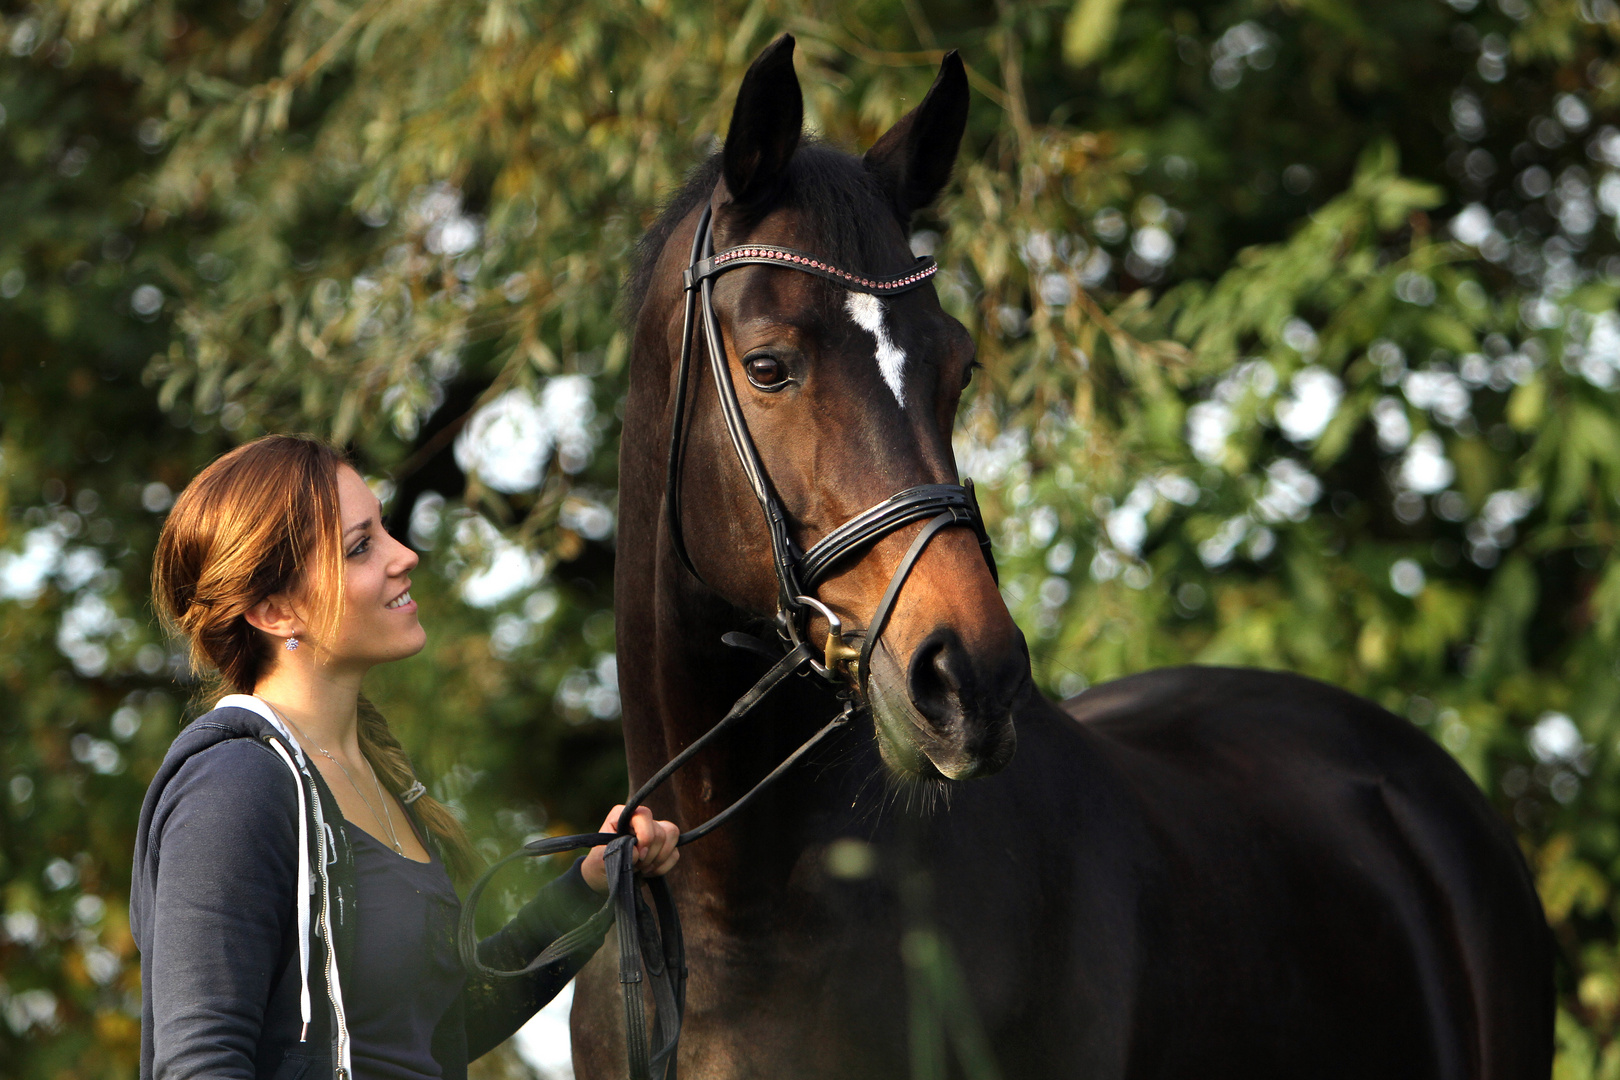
366,524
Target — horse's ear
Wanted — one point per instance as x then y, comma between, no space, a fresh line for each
913,160
765,125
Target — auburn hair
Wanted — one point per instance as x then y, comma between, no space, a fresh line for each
262,520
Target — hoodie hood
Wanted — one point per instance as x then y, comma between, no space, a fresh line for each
210,729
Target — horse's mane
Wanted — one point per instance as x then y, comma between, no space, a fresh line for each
697,187
838,197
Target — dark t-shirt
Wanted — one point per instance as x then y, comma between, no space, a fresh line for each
406,973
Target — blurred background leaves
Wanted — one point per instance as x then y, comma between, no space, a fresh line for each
1298,324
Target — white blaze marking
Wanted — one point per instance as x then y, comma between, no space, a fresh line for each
867,311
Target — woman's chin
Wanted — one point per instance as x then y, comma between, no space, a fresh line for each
402,646
417,642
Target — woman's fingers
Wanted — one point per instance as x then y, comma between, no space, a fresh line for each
661,850
656,841
594,868
650,839
668,851
656,850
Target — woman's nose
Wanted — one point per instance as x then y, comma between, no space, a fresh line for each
404,558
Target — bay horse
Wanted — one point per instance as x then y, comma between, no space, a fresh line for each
1192,872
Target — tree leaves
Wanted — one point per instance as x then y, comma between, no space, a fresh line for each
1089,30
1292,321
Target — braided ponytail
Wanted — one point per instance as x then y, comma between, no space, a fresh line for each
393,767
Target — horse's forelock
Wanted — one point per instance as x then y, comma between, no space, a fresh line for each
845,209
842,205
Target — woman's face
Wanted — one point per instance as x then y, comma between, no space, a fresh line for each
379,617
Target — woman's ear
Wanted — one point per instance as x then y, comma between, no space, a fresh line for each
274,615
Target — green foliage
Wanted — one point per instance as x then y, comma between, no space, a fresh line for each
1297,322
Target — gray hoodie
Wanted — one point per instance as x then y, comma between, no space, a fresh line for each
232,923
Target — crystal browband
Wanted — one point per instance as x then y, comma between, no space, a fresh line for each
799,260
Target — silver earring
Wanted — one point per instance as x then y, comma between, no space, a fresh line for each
292,643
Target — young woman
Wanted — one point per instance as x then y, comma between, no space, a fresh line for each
291,899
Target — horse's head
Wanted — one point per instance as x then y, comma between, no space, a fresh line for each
849,398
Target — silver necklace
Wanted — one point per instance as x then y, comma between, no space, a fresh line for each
384,818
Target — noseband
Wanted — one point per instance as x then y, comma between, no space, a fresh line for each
651,947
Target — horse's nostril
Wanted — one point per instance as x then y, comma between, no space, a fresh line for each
940,667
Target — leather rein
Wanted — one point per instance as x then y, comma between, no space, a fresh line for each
651,947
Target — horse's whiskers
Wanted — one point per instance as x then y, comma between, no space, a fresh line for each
924,795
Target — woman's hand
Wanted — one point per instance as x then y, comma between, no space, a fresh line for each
656,853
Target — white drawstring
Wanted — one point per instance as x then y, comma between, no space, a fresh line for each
305,887
334,987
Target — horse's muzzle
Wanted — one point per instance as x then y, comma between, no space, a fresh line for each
948,712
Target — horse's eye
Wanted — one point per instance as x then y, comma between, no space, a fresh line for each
766,372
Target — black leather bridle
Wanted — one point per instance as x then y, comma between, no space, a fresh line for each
798,573
654,950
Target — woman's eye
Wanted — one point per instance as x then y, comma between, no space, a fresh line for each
766,372
360,548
